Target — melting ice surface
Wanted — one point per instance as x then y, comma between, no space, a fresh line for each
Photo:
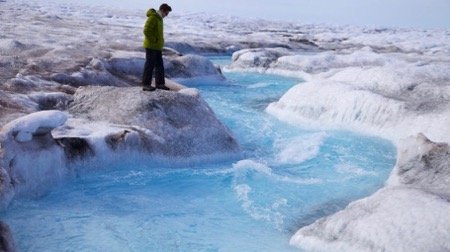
287,178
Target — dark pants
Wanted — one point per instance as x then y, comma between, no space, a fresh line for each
153,60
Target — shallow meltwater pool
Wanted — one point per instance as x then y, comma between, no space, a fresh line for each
285,178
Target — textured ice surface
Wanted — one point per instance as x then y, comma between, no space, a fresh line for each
382,81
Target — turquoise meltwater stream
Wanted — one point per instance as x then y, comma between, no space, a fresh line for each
287,178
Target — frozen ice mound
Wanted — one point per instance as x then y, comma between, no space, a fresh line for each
37,150
335,103
330,104
167,122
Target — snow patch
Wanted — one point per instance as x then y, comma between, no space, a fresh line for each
41,122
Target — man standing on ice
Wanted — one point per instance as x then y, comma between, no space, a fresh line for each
153,44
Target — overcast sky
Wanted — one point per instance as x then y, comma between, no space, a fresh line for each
397,13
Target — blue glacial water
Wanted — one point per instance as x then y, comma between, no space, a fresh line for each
287,178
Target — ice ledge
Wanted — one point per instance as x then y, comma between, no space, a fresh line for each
409,214
23,129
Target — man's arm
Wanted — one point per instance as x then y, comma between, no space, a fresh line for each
150,29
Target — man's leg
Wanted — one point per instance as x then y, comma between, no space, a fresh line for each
159,72
148,70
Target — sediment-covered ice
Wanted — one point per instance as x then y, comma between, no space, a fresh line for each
168,123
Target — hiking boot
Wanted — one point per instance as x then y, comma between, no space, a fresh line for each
162,87
148,88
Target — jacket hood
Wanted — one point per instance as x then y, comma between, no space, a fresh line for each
152,12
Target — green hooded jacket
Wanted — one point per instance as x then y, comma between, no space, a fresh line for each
153,31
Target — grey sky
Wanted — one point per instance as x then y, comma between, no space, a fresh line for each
416,13
392,13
